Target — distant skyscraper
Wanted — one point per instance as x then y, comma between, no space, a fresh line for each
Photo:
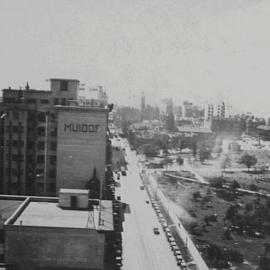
142,107
215,110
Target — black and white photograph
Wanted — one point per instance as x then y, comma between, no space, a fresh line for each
134,135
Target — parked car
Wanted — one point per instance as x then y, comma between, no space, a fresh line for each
156,230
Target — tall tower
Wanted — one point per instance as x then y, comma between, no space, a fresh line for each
142,107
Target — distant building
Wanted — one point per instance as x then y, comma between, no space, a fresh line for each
143,107
214,110
228,126
50,139
187,109
264,132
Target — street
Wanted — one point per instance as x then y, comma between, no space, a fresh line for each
142,249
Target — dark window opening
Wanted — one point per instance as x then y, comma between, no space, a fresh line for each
63,85
54,132
52,174
15,115
41,117
40,159
41,131
31,101
53,146
17,129
63,101
52,160
41,145
44,101
56,101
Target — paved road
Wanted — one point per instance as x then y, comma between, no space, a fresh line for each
142,249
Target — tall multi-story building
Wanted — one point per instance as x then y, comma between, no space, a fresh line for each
50,139
214,110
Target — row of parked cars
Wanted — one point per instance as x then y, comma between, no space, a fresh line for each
117,243
174,247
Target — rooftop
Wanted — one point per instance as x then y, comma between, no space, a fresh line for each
263,127
76,191
49,214
63,79
194,129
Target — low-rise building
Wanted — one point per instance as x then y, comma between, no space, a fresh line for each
47,233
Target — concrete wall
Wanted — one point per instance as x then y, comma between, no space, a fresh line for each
81,147
52,248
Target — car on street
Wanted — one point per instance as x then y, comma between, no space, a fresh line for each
156,230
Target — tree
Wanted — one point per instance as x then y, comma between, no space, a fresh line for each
204,154
234,185
196,195
149,150
231,213
194,147
225,162
170,122
180,160
253,187
248,160
167,161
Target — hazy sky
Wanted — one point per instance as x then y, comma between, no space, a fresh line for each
188,49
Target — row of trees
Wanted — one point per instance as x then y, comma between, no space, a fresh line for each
246,159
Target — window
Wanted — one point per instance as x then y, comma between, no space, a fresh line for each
44,101
41,131
30,159
41,117
17,129
31,116
53,146
9,100
30,145
52,160
15,171
63,85
56,101
52,173
40,172
54,132
52,187
15,115
41,145
31,101
53,117
40,159
16,157
63,101
17,143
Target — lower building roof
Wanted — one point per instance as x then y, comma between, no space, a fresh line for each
49,214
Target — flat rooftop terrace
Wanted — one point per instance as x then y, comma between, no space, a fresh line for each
49,214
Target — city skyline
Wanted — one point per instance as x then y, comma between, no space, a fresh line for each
187,50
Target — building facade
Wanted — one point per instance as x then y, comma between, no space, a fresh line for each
36,130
